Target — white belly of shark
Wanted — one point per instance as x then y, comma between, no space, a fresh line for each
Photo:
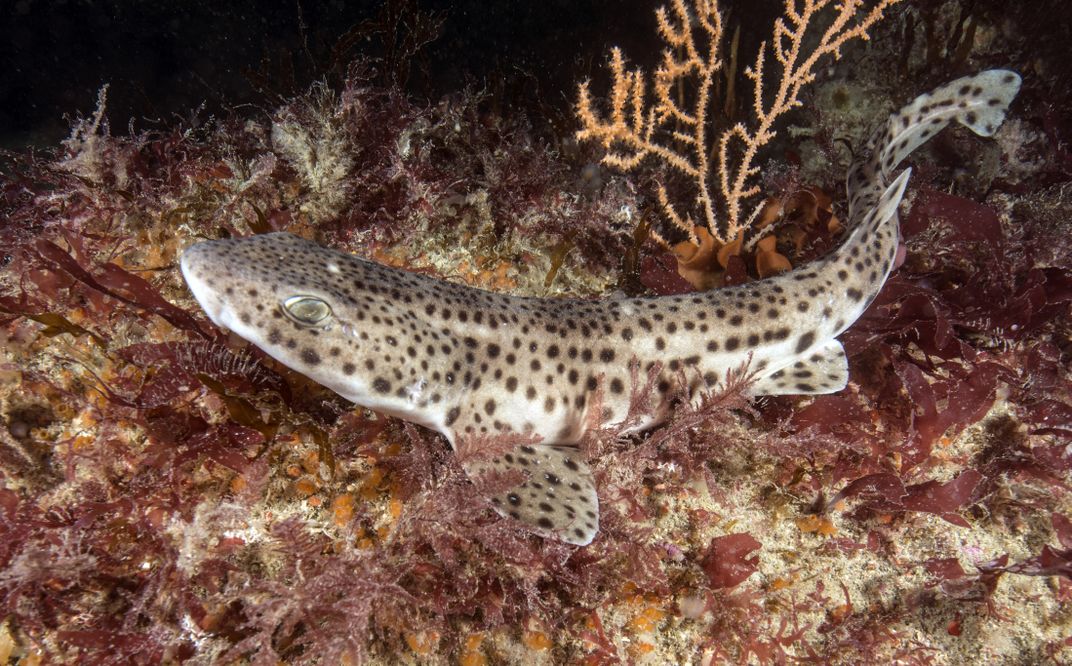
471,364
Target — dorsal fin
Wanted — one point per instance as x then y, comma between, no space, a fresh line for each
557,496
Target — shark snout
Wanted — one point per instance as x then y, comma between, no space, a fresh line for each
198,265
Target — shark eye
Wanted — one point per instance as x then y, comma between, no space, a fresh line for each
307,310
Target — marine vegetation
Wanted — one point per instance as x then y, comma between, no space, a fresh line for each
454,358
169,492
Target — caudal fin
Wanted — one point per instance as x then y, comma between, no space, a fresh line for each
978,102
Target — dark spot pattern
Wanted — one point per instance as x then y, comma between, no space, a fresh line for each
479,362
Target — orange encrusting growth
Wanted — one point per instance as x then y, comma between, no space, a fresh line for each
472,655
817,525
535,640
701,258
422,642
342,509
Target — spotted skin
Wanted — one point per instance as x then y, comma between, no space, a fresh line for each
470,363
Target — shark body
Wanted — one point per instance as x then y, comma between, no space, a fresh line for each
471,363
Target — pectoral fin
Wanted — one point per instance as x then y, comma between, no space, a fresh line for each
557,496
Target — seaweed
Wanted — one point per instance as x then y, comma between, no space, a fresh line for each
727,562
168,495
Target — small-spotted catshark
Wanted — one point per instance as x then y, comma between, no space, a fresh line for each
470,363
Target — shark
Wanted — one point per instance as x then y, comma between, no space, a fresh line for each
475,364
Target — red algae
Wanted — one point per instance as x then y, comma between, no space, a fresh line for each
729,560
169,495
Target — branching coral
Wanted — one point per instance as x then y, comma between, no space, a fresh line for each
680,131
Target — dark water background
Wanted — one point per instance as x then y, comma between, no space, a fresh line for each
166,58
